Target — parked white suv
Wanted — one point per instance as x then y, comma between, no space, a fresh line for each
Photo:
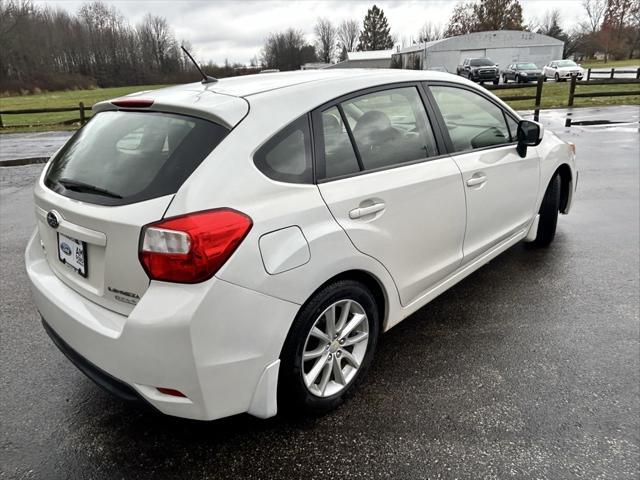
240,245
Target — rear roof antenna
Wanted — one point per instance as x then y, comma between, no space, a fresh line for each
205,78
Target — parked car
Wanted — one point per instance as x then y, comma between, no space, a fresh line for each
561,70
521,73
238,246
479,70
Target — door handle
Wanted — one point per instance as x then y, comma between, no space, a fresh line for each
364,211
477,179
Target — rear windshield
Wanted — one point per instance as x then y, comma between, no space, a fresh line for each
481,62
126,157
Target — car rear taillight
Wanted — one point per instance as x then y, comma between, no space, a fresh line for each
191,248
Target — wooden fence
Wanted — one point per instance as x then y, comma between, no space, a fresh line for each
611,93
537,97
612,72
82,119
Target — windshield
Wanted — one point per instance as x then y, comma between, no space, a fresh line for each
567,63
527,66
125,157
481,62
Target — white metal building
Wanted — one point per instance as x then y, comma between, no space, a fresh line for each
370,59
502,46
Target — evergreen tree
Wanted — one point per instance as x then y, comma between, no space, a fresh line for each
343,54
375,33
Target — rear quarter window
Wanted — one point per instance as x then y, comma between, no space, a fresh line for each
126,157
286,157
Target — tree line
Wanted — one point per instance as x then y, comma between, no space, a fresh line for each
42,48
47,48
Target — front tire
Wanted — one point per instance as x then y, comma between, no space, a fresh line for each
549,213
557,77
329,348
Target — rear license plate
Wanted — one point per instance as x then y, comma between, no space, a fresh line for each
73,253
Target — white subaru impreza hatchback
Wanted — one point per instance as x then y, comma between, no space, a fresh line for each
238,246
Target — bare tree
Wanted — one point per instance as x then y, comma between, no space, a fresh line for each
326,40
595,13
348,34
429,32
287,50
462,20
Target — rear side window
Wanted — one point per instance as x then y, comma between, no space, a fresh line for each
120,158
390,127
287,156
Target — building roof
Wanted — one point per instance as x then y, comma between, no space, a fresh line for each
480,39
370,55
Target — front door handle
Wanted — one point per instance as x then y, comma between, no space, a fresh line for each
364,211
477,179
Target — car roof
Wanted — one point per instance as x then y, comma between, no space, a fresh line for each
254,84
227,100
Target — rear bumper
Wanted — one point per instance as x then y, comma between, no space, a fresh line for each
216,342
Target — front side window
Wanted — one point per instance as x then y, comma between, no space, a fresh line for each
287,156
472,121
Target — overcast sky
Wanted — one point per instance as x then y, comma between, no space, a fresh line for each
219,29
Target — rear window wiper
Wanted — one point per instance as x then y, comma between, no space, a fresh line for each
77,186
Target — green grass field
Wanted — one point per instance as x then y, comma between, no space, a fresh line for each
71,98
634,62
554,95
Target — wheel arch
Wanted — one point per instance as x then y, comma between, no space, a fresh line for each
372,283
566,186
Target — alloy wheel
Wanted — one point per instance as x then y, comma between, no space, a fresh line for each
335,348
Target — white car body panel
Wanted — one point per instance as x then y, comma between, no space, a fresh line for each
418,235
506,176
219,341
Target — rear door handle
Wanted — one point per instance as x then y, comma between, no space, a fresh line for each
364,211
477,179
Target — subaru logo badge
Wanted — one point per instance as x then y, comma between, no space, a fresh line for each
52,220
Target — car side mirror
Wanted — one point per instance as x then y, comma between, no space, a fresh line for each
529,135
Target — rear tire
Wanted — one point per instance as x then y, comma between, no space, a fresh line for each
298,390
549,213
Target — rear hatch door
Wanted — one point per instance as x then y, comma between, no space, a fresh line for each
117,174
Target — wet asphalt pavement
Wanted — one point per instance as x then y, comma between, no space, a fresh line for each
529,368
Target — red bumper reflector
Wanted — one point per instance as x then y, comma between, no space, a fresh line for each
171,391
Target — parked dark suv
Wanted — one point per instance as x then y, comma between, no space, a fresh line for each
479,70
